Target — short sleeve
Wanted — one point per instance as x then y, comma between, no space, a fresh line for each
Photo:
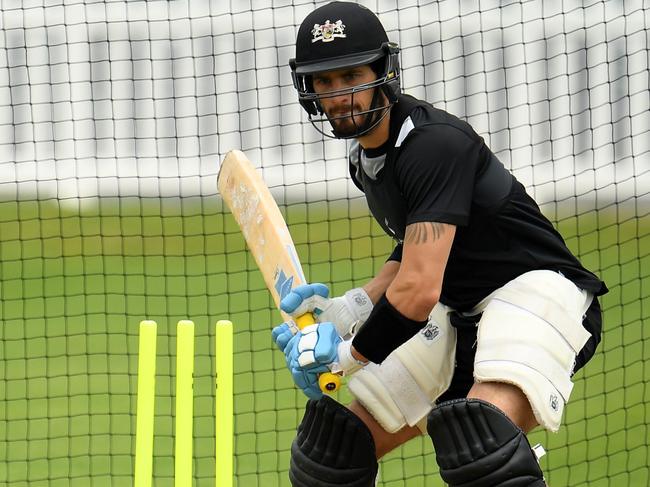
436,169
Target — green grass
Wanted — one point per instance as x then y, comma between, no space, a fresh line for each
75,284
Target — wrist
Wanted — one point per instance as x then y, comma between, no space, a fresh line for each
348,363
348,311
360,303
357,356
384,331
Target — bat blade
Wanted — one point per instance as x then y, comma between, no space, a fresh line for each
262,224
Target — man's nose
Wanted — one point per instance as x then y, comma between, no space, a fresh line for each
343,97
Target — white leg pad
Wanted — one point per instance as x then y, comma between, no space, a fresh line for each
529,335
402,390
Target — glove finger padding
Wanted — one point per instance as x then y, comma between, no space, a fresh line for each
282,334
307,380
289,350
306,298
326,348
316,345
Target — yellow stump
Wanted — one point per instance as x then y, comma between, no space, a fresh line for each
184,403
145,403
224,404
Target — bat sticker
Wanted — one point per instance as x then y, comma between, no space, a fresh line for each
283,283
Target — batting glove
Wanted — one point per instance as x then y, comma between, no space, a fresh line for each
347,312
307,353
312,350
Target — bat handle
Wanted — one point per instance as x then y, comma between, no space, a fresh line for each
327,381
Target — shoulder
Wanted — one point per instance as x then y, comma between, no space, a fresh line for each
418,123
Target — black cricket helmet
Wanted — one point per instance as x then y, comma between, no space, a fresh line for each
341,35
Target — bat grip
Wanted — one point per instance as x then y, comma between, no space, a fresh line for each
327,381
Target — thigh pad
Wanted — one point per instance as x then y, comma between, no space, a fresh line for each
529,335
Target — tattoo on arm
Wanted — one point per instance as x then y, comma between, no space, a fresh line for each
423,232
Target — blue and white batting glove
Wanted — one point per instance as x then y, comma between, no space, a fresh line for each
307,380
307,353
311,352
347,312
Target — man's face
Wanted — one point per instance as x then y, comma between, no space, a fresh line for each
345,111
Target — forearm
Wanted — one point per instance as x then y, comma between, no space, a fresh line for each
406,319
411,294
416,288
379,284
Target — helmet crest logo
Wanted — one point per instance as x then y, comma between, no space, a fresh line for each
328,31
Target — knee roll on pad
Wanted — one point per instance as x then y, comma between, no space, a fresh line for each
403,388
477,445
333,448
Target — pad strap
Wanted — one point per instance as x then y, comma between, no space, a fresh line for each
477,445
333,448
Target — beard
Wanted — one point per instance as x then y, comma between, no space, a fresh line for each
345,123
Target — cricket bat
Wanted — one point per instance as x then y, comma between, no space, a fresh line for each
267,236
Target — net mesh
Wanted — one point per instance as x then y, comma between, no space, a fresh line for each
115,116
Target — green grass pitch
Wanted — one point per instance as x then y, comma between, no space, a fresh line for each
75,284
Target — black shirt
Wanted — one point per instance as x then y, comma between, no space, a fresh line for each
434,167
